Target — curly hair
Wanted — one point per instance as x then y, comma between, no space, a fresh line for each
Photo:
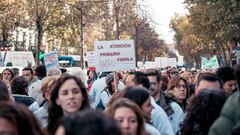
203,110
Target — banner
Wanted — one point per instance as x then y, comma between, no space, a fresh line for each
18,58
115,55
150,64
163,62
51,60
210,64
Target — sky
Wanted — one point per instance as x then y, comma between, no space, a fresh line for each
161,12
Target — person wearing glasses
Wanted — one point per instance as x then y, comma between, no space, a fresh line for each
178,91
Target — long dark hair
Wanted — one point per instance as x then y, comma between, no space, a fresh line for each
19,85
55,111
202,112
90,122
4,94
21,118
138,95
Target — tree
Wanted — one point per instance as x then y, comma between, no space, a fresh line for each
187,42
11,14
44,14
218,20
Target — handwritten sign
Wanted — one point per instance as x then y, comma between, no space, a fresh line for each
51,60
19,58
91,58
115,55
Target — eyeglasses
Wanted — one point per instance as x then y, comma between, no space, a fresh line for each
179,86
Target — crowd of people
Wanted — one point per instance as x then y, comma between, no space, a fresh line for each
165,101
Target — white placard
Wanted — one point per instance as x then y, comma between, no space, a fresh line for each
51,60
162,62
19,58
115,55
151,64
172,62
91,59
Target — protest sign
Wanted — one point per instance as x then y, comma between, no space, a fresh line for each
18,58
115,55
91,59
172,62
51,60
209,64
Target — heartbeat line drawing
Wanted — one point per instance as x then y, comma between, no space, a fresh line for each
107,63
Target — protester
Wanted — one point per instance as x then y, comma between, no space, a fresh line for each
16,119
19,86
164,79
172,109
40,71
203,110
107,92
68,95
4,93
129,116
78,72
159,118
208,81
92,76
42,112
88,122
226,74
34,90
178,91
15,72
142,98
28,73
96,89
7,76
228,122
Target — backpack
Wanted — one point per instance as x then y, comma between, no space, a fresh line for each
100,106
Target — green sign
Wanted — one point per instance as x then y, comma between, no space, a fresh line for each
41,56
210,64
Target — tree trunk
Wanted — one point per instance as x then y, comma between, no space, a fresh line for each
136,45
39,42
116,11
81,35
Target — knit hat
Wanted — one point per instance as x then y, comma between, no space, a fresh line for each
109,78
